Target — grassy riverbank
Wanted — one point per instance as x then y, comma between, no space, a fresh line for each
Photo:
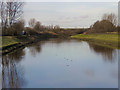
10,43
9,40
108,40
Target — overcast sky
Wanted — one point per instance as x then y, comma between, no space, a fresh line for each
70,0
68,14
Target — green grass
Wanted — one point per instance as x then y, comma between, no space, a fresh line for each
106,39
103,37
8,40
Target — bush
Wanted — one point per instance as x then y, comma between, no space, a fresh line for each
118,29
14,29
30,31
102,27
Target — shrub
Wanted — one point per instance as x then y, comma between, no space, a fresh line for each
14,29
102,27
30,31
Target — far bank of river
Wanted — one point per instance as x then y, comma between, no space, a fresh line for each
107,40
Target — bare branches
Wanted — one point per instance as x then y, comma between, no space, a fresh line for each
3,14
10,12
110,17
32,22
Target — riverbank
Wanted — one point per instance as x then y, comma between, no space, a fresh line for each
11,43
108,40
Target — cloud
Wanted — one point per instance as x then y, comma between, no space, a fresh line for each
68,14
85,16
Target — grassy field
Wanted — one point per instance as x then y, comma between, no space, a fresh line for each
8,40
110,40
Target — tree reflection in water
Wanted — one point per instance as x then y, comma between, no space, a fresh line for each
12,72
107,53
35,48
0,72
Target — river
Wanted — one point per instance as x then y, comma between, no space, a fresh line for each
61,64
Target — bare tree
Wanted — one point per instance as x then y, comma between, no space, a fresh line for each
3,14
119,13
110,17
37,25
56,27
32,23
10,12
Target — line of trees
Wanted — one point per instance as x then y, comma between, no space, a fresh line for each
12,23
35,27
38,26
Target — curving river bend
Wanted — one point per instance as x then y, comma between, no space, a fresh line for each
61,64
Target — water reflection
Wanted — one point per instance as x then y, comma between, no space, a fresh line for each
12,72
64,62
0,73
35,48
108,54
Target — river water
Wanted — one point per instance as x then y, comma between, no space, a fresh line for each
61,64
